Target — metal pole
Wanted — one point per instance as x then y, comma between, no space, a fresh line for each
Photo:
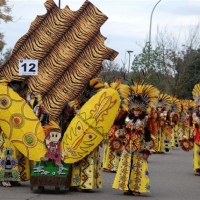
59,3
150,32
129,53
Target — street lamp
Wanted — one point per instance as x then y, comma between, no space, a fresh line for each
129,53
150,32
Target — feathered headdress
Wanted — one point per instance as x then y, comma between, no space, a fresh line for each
142,96
175,105
187,105
164,101
196,94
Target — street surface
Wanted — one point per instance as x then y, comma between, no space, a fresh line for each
171,179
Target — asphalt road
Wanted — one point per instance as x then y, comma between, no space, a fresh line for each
171,174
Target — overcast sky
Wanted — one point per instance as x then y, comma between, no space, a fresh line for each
127,24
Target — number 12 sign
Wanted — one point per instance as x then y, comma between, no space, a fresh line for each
28,67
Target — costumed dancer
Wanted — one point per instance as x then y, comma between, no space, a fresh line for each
183,117
185,129
196,129
163,135
153,127
113,143
186,140
87,173
14,166
132,175
174,121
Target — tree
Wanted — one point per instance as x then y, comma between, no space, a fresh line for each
111,70
191,75
4,56
155,69
173,68
4,17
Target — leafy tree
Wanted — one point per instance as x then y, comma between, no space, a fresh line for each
191,75
173,69
154,67
4,17
4,55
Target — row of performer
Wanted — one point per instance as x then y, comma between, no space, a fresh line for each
147,122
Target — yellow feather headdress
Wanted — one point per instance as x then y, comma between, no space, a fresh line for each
142,96
196,94
187,105
175,105
164,101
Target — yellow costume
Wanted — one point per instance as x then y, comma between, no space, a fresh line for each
87,173
14,166
132,175
92,122
153,117
185,125
174,121
113,142
116,134
20,130
196,129
163,135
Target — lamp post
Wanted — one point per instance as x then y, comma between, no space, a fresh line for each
129,53
59,3
150,32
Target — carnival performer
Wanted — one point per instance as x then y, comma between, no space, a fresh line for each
14,166
113,142
183,118
153,117
186,140
163,136
196,129
174,121
132,175
87,173
185,125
